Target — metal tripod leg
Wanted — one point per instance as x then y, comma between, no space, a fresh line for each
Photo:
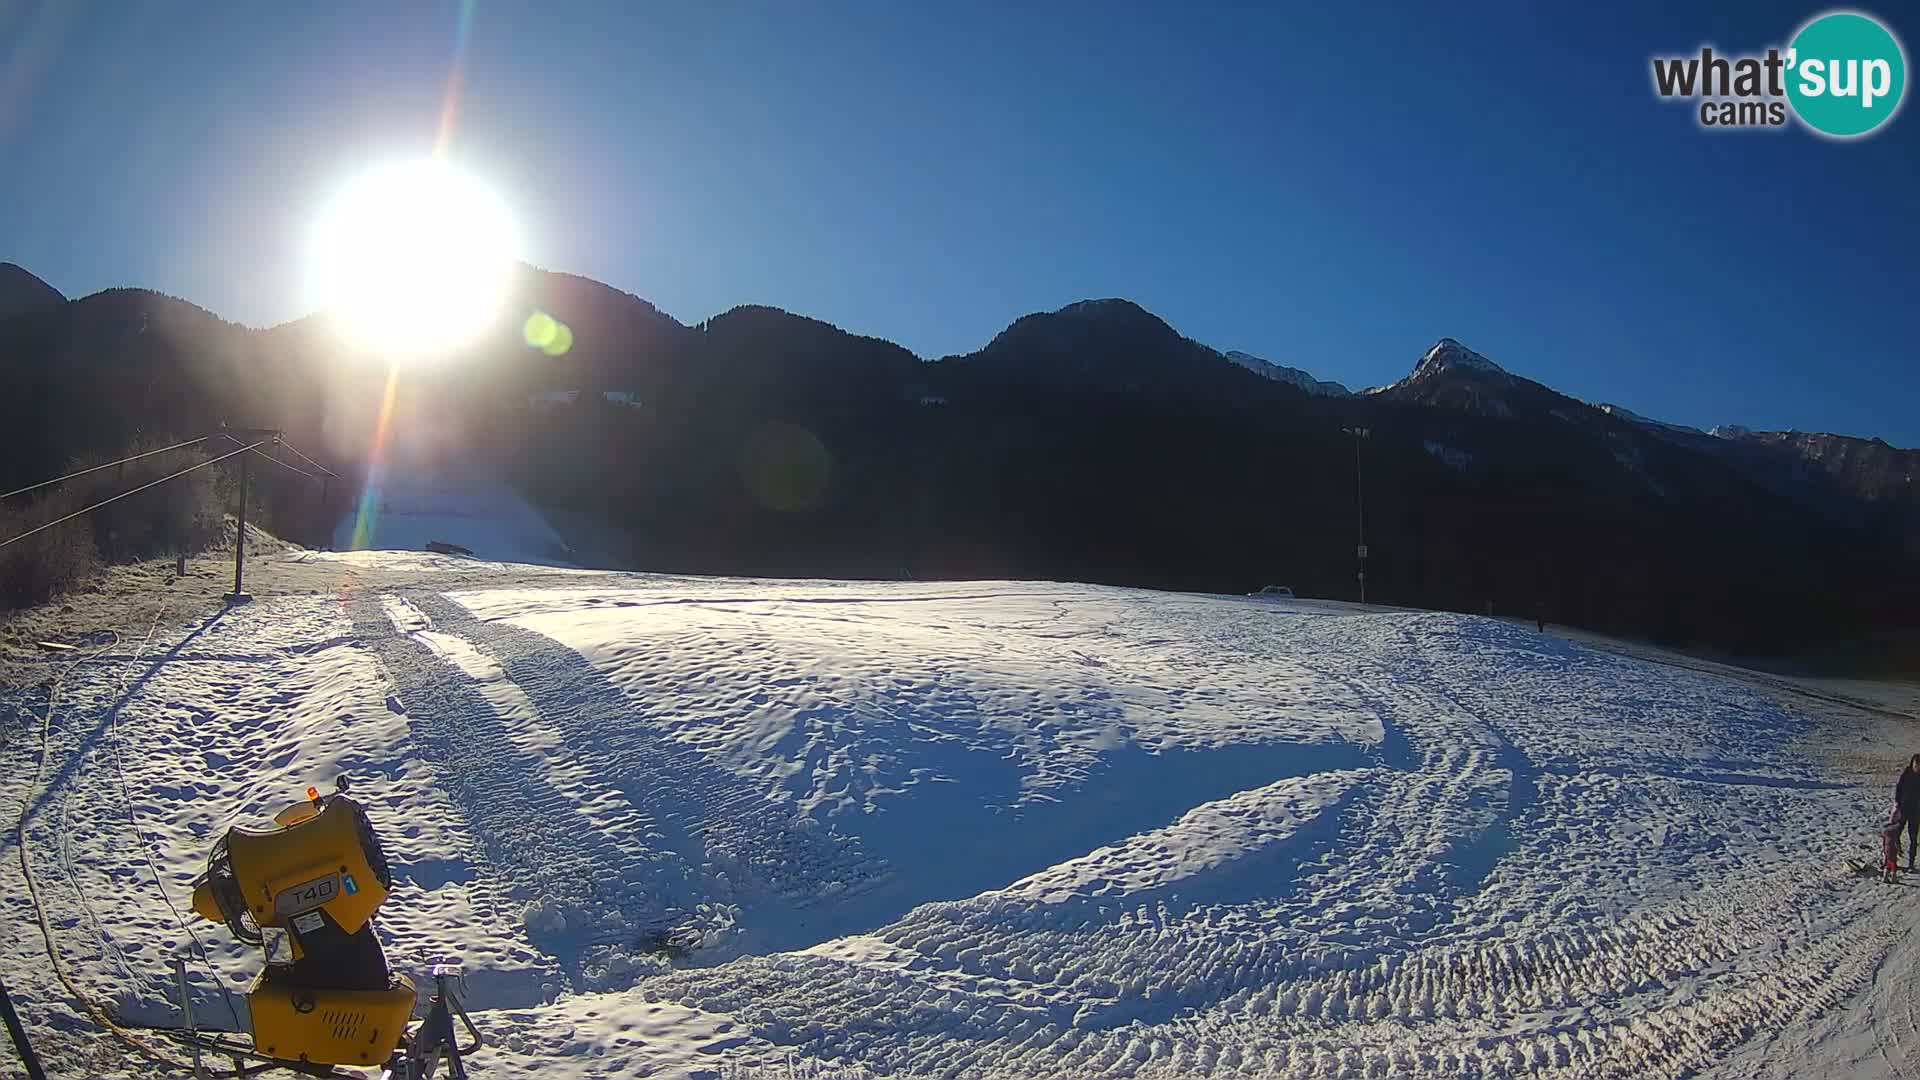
186,1013
19,1034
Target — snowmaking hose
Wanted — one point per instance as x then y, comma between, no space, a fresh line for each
92,1008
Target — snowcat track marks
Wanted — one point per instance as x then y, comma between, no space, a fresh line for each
532,836
717,822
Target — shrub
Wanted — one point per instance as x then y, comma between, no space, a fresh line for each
35,570
182,514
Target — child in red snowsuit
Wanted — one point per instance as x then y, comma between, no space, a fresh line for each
1890,844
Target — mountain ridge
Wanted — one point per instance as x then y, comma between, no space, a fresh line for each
1445,356
1292,376
21,291
1093,443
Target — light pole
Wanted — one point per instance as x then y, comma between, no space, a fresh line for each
1359,506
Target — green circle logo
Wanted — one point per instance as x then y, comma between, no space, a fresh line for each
1846,74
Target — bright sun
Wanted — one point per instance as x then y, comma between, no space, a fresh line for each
413,259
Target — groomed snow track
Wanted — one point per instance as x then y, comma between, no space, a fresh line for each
715,821
1432,845
538,845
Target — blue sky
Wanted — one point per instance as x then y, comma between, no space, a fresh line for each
1329,187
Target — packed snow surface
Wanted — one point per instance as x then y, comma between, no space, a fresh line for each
409,505
723,827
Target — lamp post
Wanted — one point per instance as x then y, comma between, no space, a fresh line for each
1359,506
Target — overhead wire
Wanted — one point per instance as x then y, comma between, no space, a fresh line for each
288,447
277,461
99,1014
284,465
124,494
92,1008
108,465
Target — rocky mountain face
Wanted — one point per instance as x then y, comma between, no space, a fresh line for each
1090,443
1832,471
1866,469
1843,473
1451,376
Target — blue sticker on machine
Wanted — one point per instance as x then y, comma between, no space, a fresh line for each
346,882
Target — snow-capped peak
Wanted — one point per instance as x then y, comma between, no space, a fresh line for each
1449,355
1730,431
1621,412
1292,376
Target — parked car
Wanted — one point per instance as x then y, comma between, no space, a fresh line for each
1278,591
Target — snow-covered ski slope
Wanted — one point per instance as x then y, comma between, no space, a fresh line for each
412,504
681,826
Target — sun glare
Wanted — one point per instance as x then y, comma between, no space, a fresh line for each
413,259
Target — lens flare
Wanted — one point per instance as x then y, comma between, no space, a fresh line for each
785,467
539,329
548,334
367,518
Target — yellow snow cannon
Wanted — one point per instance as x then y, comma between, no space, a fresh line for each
319,877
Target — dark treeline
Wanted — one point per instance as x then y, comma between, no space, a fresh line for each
1090,444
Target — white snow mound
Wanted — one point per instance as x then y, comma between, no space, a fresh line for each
718,827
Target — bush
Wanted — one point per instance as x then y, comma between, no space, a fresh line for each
181,515
35,570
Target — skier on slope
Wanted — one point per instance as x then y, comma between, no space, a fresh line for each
1906,795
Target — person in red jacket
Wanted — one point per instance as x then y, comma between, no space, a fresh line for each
1906,795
